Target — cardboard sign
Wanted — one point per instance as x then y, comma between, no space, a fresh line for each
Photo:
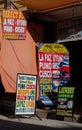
26,94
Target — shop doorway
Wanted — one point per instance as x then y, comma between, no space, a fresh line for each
75,52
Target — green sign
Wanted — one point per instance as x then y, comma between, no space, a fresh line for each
65,101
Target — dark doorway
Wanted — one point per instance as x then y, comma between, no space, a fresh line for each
75,52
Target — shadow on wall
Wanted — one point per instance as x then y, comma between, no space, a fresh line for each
36,31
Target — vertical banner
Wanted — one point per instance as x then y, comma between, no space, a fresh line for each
54,70
26,94
14,25
45,77
65,101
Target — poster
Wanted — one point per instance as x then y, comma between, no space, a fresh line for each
26,94
14,25
54,70
65,101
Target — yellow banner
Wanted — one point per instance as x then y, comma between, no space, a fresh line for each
13,14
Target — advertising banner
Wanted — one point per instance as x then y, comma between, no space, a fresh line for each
54,70
65,101
26,94
14,24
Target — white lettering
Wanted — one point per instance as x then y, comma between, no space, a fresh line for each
45,74
21,22
10,21
45,65
57,58
4,21
48,57
19,29
45,57
41,57
7,28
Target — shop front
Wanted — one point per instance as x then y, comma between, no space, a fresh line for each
70,36
21,55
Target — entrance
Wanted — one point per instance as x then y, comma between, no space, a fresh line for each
75,52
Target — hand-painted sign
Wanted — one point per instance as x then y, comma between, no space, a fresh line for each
26,94
53,70
65,101
14,25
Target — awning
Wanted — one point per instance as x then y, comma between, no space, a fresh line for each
43,5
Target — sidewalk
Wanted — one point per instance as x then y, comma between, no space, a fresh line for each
48,119
51,114
44,122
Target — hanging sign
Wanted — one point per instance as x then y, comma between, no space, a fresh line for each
14,25
65,101
26,94
53,70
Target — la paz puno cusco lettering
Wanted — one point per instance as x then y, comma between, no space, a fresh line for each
45,57
49,57
19,22
45,65
45,73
